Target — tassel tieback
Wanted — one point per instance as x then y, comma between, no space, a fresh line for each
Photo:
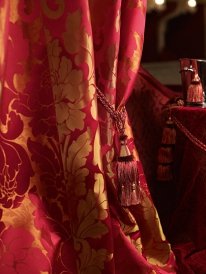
165,153
128,176
165,157
128,188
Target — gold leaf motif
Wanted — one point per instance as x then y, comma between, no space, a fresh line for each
135,60
14,15
75,159
89,226
78,151
21,216
3,21
85,55
20,81
158,254
138,244
77,40
151,220
54,51
131,63
93,110
90,260
110,169
112,54
97,160
91,211
100,193
24,217
69,89
155,247
129,229
75,119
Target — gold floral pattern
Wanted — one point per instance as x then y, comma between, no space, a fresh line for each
58,202
75,163
67,90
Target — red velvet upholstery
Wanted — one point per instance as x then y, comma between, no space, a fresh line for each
181,203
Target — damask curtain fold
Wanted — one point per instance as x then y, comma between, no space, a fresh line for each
58,202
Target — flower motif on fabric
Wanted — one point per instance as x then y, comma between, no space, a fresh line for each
68,86
91,260
92,213
15,167
79,43
19,254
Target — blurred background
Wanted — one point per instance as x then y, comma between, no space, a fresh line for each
174,29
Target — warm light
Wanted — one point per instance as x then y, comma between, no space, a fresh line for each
192,3
159,2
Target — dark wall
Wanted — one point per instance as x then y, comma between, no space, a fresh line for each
184,36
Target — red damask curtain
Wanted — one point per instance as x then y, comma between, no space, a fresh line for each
58,203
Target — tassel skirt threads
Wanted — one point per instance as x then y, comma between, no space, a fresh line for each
164,173
195,93
128,181
165,155
169,135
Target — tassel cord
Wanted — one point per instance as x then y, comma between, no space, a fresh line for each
118,116
189,135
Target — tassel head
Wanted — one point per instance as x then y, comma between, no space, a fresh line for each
127,175
125,153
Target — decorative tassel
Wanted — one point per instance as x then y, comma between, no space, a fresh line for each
165,155
169,133
129,190
127,174
165,152
195,94
164,172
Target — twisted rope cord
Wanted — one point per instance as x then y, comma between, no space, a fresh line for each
188,134
118,116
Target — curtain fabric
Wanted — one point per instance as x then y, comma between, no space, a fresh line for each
58,203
